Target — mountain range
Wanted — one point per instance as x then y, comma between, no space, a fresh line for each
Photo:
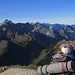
31,43
52,31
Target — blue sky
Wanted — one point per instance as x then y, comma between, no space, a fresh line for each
48,11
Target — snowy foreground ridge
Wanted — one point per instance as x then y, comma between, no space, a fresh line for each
19,71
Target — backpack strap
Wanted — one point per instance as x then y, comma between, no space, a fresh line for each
72,64
68,72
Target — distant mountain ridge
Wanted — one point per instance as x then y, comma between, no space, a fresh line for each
50,30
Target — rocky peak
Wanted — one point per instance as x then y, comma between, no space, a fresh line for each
68,28
6,22
51,32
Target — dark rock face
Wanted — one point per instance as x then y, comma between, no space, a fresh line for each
15,54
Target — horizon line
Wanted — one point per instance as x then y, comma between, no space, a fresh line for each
37,22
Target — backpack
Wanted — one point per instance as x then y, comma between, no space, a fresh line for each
64,58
